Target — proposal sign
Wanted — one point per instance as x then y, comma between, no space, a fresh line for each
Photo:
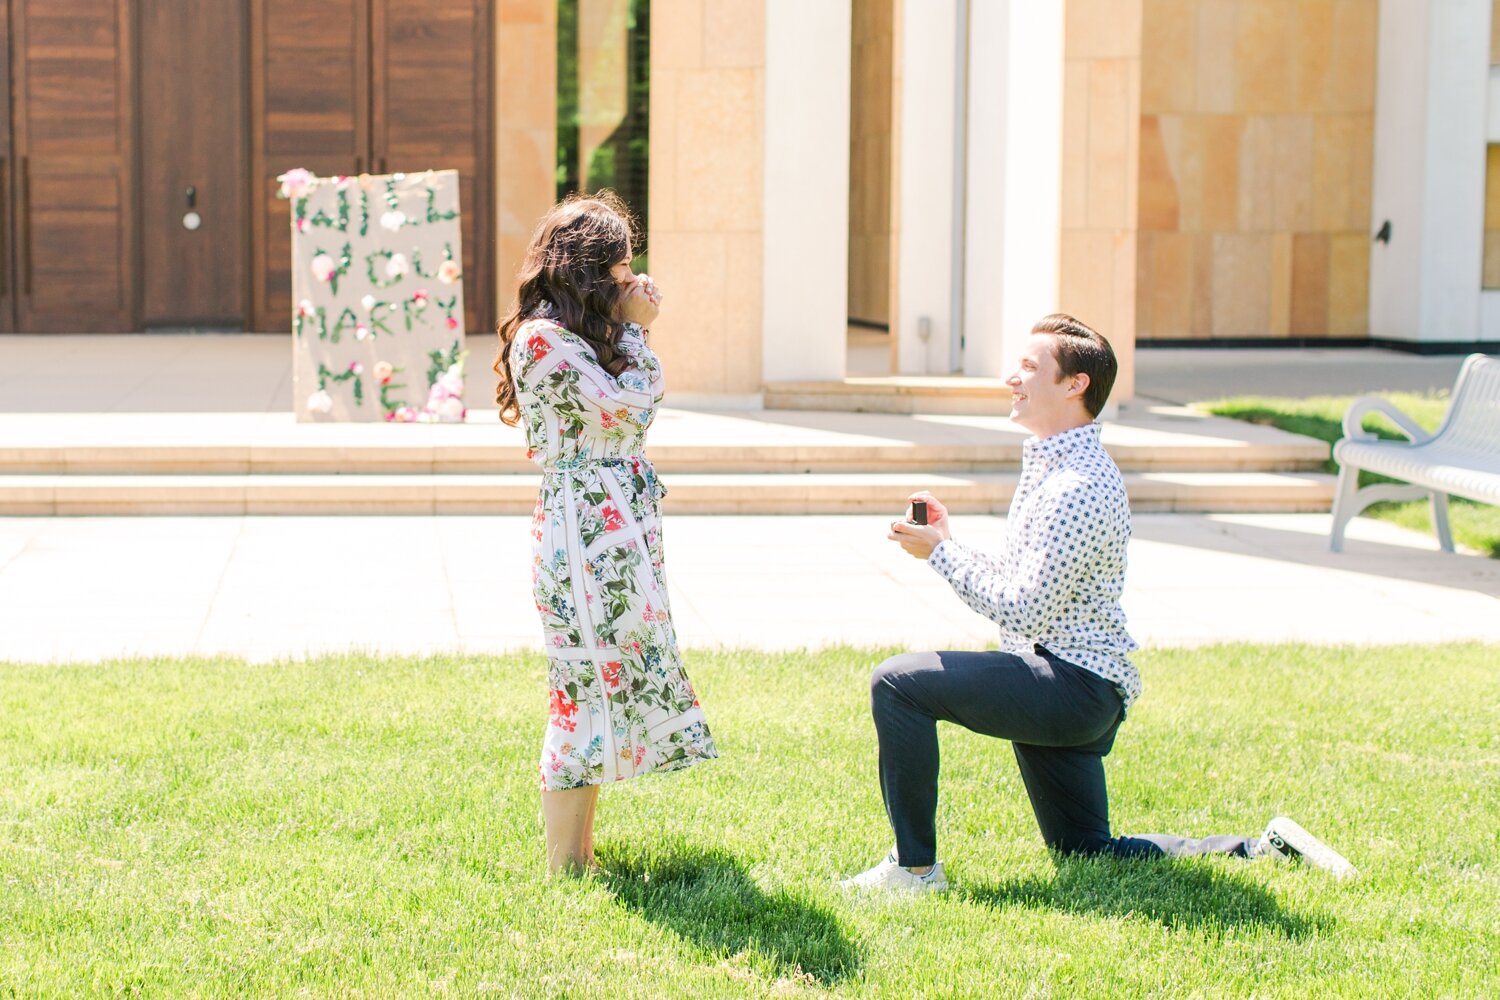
377,287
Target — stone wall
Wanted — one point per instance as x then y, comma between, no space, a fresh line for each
707,128
1256,146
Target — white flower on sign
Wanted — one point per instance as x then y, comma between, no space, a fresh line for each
296,182
393,220
361,332
323,267
397,266
320,402
449,272
368,302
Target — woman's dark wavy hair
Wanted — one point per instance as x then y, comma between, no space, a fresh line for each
568,264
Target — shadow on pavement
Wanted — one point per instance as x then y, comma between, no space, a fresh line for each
1379,559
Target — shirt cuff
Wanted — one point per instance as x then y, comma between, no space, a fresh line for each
943,557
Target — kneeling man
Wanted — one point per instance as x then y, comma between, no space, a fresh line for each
1062,681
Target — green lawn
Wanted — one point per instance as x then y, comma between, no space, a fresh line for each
1475,525
369,827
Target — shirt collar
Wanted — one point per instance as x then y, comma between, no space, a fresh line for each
1049,448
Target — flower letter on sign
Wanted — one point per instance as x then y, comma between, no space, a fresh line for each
386,298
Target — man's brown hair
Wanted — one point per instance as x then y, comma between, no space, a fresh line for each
1081,349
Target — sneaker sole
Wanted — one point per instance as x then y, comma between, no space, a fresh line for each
1312,850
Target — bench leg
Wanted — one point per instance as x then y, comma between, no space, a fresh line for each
1345,506
1440,520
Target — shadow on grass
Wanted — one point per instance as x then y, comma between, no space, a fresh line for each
706,897
1180,894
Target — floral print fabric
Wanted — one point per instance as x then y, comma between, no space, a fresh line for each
620,703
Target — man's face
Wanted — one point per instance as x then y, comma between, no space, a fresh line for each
1039,402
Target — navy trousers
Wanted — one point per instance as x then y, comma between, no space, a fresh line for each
1061,720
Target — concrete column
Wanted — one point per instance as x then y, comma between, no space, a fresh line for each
1430,115
1101,173
525,132
806,215
922,217
708,154
1014,201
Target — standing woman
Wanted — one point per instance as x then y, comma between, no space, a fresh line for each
574,367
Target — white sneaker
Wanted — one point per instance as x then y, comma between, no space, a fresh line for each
888,876
1285,838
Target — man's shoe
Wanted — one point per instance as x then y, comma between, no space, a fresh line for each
888,876
1285,838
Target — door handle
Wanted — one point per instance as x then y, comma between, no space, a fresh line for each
4,225
26,222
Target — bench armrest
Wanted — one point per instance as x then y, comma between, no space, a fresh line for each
1355,417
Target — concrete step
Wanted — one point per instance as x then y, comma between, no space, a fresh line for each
1141,451
942,394
777,493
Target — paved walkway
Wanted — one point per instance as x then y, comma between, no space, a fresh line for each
270,587
265,587
1192,375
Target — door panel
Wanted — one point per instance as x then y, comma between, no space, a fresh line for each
7,185
192,133
309,93
74,231
431,83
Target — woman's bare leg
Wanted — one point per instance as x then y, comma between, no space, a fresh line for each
588,832
568,816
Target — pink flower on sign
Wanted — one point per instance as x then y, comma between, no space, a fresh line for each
405,415
361,332
305,307
383,372
301,225
449,272
420,295
452,382
323,267
296,182
356,368
452,323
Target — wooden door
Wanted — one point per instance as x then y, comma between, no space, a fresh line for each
7,177
73,129
194,197
430,89
309,107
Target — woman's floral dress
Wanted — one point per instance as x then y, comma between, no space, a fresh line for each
621,704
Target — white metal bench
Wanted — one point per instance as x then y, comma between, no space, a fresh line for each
1462,458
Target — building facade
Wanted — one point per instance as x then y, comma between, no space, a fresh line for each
936,172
